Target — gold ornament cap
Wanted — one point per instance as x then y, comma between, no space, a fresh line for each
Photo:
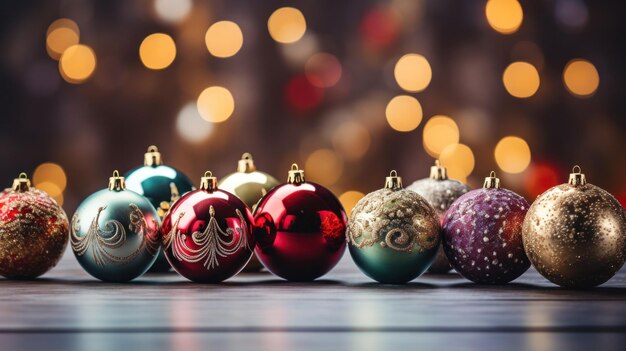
21,183
152,157
116,182
208,182
393,182
296,175
246,164
438,172
491,182
576,177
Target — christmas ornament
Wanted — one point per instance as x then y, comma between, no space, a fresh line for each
33,231
575,234
300,229
440,192
482,234
393,233
160,184
207,234
249,185
115,233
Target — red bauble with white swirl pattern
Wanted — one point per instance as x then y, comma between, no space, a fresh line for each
207,234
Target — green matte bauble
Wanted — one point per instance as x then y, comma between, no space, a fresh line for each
575,234
249,185
393,233
114,233
162,185
440,192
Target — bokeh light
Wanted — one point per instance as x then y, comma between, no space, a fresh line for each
581,78
380,28
50,177
77,63
216,104
512,154
521,79
404,113
324,166
505,16
157,51
286,25
51,173
61,34
191,126
439,132
541,177
459,160
172,11
302,95
352,140
323,70
349,199
223,39
412,72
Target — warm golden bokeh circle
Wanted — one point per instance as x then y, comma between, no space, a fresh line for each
404,113
412,72
286,25
323,166
459,161
439,132
581,78
77,63
521,79
512,154
61,34
157,51
223,39
504,16
216,104
349,199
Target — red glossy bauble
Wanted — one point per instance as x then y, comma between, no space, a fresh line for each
300,228
207,234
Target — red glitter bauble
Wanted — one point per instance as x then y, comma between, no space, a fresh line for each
207,234
34,231
300,228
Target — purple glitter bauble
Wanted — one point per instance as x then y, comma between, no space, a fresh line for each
482,235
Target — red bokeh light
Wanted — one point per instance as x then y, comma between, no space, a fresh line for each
379,28
541,177
301,95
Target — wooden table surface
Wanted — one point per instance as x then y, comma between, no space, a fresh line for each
69,310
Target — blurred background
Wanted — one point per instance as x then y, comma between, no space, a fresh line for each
347,89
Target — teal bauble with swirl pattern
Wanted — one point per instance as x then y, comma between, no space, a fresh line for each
162,185
393,233
115,234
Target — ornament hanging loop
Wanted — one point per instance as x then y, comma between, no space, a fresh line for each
246,164
296,175
393,182
492,182
438,172
152,157
576,177
208,182
21,183
116,182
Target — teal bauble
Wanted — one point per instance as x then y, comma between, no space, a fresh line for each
393,233
249,185
440,192
162,185
115,233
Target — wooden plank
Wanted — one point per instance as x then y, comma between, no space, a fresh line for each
67,308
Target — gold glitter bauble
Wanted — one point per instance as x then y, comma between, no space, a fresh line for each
34,231
575,234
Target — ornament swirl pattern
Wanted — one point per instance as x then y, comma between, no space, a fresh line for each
211,241
400,220
101,241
